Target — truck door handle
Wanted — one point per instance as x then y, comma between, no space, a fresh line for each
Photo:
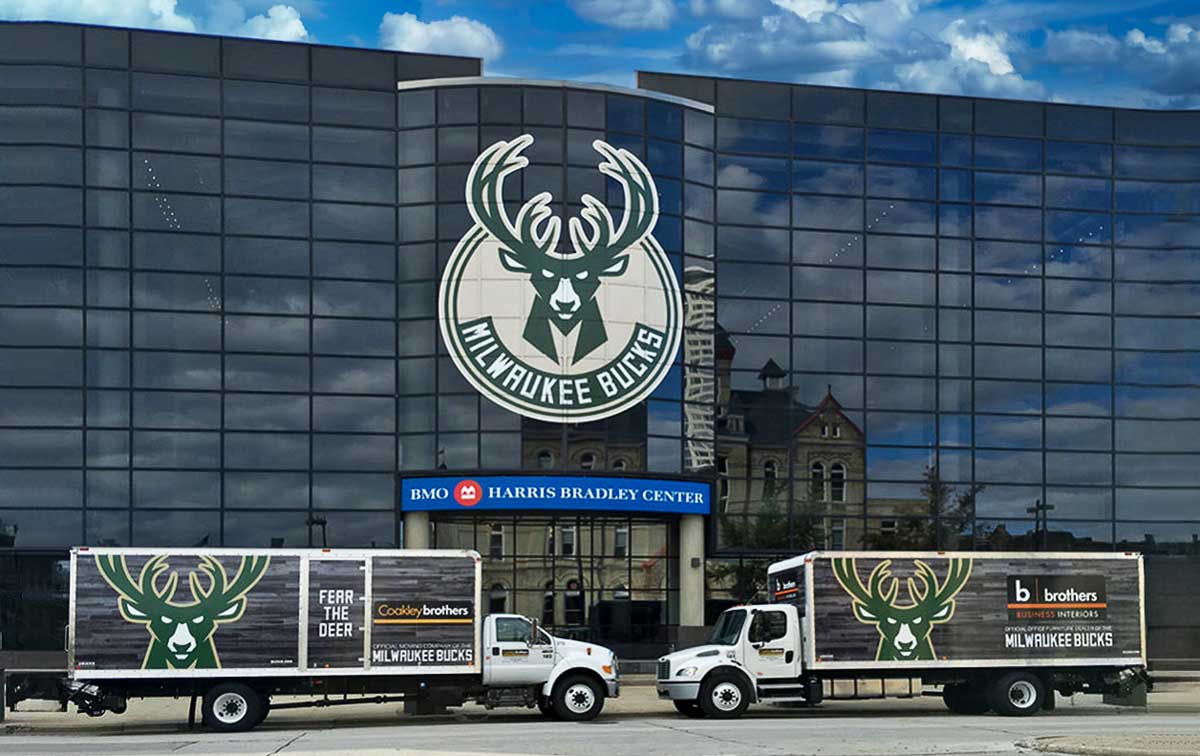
787,658
495,650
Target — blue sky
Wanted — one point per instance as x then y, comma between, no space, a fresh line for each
1115,52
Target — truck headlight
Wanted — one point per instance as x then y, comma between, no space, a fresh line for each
687,672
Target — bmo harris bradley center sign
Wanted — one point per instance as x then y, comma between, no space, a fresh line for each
492,492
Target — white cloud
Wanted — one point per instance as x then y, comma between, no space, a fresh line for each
627,14
1138,38
456,35
1166,65
155,14
981,45
1077,47
280,22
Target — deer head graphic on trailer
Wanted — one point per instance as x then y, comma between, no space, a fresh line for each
565,285
904,630
181,634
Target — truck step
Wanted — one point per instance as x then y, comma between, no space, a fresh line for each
775,692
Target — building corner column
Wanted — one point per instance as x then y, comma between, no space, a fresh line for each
416,530
691,580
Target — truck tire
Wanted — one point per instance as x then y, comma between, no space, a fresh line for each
724,696
577,698
689,709
546,706
1017,694
964,698
232,707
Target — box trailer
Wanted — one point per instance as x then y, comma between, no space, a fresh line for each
235,627
997,631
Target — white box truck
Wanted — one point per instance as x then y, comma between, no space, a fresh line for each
235,627
996,631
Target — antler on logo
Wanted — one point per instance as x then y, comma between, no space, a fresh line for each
181,633
903,630
565,284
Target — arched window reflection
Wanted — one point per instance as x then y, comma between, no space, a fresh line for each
573,602
548,604
837,482
817,482
497,599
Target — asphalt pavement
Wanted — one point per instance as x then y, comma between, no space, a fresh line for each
636,724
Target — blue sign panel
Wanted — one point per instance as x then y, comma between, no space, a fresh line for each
491,492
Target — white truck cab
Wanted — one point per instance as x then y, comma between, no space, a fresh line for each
567,679
753,654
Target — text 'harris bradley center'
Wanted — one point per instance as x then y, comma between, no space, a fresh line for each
573,493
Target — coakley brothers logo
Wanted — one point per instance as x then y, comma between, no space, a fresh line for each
561,336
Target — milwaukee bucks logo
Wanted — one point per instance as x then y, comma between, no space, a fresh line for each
570,334
904,630
181,633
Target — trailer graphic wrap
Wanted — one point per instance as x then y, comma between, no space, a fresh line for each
422,620
957,610
178,612
335,613
904,630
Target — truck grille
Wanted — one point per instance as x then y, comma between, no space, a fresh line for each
664,670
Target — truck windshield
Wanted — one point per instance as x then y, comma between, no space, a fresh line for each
728,628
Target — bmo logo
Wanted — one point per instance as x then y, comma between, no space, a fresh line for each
468,493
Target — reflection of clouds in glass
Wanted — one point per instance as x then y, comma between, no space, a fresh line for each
1006,501
1158,367
908,429
1008,466
176,489
1158,299
1160,402
1158,265
347,375
1010,292
1078,262
1076,468
1010,432
1158,435
42,328
1158,469
1148,333
41,489
1078,399
1160,504
897,464
1078,433
247,490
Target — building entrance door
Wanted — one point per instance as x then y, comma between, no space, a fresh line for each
608,580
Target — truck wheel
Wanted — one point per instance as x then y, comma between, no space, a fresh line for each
1017,694
724,696
232,707
546,706
578,698
962,698
689,709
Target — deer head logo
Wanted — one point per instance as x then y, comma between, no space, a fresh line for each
181,633
903,630
560,331
565,285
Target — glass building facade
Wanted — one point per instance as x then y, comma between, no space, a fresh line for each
910,321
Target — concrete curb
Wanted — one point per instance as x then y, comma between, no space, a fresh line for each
1164,744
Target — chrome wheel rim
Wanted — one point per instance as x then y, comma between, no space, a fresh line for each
229,708
726,696
580,698
1022,694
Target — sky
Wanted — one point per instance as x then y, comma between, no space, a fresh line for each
1132,53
